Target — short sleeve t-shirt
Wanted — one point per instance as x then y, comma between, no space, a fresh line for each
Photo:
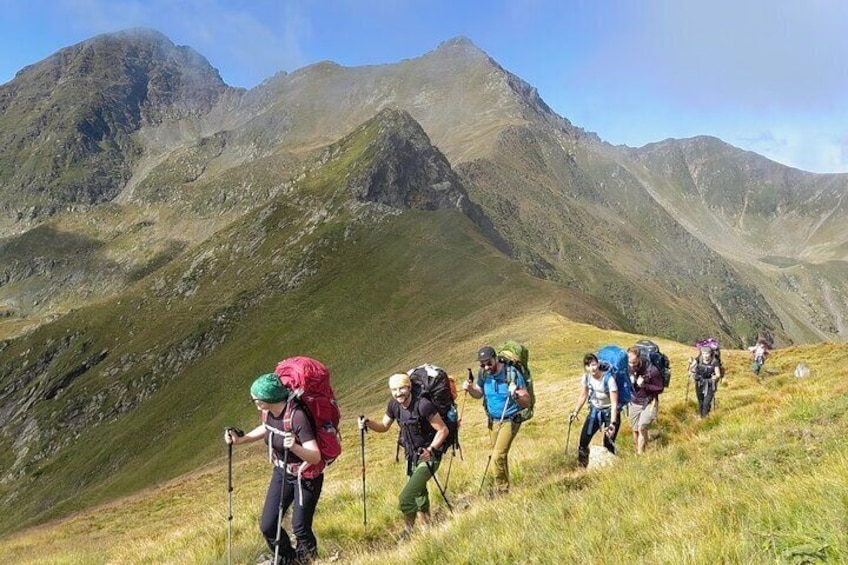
599,396
414,422
300,426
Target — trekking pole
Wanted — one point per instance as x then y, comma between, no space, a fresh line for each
715,394
282,490
461,412
686,400
568,435
494,444
239,433
439,486
458,425
362,450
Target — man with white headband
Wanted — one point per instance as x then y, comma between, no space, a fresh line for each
422,433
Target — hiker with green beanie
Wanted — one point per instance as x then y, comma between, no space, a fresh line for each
287,431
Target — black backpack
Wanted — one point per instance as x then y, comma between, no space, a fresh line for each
434,384
650,354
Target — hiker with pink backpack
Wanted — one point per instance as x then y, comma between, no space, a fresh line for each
299,426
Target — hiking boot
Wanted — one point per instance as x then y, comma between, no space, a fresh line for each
307,557
583,458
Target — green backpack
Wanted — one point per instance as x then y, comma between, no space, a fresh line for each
516,355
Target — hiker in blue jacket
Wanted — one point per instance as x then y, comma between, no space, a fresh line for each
504,389
603,412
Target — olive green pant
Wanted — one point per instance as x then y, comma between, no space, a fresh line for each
502,440
414,498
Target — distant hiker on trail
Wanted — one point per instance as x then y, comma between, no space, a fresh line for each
285,450
644,403
759,352
422,432
503,388
602,394
706,371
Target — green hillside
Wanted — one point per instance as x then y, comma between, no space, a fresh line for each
385,290
760,481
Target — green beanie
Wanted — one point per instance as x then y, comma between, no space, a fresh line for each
268,388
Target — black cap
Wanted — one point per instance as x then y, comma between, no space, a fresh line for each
485,353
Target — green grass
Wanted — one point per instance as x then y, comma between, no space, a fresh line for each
760,481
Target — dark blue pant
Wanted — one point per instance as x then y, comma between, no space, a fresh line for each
302,514
596,420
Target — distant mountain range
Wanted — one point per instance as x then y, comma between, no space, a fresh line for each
158,225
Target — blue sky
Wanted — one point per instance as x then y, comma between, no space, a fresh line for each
770,76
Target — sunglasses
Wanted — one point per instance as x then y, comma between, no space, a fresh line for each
489,363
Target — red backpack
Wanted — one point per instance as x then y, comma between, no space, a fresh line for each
309,381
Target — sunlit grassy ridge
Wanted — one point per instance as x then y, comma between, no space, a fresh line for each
760,481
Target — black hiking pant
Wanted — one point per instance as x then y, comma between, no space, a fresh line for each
598,419
302,514
705,389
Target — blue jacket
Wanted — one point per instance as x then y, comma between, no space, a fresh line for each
496,391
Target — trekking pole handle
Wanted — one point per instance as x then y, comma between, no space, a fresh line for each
362,423
234,430
470,375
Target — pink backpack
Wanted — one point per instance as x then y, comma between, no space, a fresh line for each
309,381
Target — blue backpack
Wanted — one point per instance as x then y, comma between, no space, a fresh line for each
613,360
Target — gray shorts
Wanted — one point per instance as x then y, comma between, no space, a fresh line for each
642,416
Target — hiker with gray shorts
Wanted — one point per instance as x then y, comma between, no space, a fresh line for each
644,403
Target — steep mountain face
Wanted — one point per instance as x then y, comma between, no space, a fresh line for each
643,230
67,122
783,229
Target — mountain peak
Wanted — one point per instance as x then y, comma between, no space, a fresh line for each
405,170
460,46
460,41
68,120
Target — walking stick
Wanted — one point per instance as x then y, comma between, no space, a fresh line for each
439,486
282,491
458,426
494,444
461,412
239,433
568,435
715,394
686,400
362,450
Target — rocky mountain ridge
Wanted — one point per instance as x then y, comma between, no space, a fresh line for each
553,193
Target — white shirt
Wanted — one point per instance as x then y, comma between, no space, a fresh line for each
598,396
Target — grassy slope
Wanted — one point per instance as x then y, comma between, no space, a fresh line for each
382,302
762,480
